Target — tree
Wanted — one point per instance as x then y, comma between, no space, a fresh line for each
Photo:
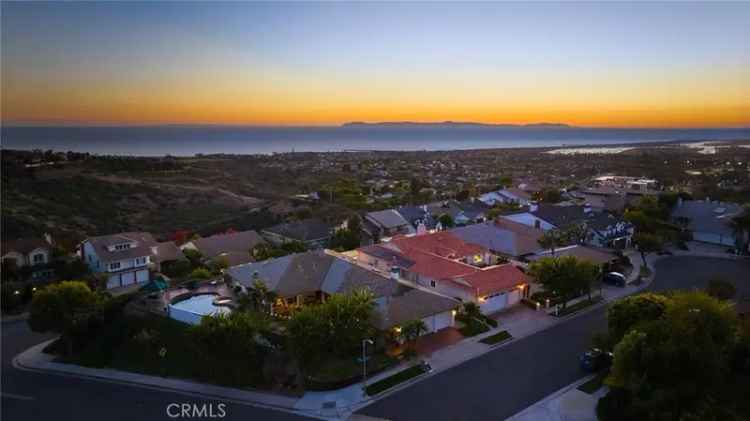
61,308
218,264
242,338
566,277
336,326
200,273
410,332
550,240
551,196
740,224
647,243
505,181
721,289
194,257
627,313
261,299
676,364
446,220
347,238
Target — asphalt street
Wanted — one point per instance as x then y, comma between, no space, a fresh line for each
38,396
503,382
491,387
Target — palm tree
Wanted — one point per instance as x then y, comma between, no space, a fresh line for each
740,224
410,332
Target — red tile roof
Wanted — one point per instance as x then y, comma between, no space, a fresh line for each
441,243
493,279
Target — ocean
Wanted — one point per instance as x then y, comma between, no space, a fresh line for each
192,140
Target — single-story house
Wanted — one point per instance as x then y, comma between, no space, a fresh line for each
509,195
313,233
233,246
548,217
708,221
502,237
311,277
385,223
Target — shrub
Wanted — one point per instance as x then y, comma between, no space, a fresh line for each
721,289
200,273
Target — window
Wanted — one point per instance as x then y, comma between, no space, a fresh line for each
140,261
433,284
37,258
114,266
124,246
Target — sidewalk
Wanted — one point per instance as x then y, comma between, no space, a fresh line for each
567,404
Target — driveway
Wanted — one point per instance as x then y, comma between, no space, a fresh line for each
505,381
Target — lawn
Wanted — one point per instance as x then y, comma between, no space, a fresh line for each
578,306
497,338
340,372
395,379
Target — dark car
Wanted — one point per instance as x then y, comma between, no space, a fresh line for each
595,359
615,278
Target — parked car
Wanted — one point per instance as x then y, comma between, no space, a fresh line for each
615,278
595,359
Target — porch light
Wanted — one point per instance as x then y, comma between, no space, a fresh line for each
397,329
522,286
482,299
16,292
453,312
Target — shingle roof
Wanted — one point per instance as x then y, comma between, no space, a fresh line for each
502,236
166,251
305,230
388,218
413,304
144,241
24,245
592,254
389,254
236,242
560,216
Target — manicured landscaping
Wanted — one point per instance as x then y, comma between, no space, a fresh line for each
473,329
594,384
497,338
395,379
578,306
341,372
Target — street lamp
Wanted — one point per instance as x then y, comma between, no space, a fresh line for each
364,361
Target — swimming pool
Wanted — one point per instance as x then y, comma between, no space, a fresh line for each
192,309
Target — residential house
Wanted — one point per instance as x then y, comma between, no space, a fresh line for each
311,277
510,195
418,216
33,253
547,217
444,263
234,247
502,237
472,212
313,233
123,259
602,257
708,221
385,223
606,230
165,254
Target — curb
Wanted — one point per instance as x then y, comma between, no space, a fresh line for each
553,395
20,365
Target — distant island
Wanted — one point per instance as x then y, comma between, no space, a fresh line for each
457,124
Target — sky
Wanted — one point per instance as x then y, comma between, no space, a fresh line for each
283,63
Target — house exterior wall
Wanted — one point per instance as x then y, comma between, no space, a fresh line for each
18,258
91,258
439,321
29,258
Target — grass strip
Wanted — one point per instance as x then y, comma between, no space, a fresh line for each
496,338
395,379
578,306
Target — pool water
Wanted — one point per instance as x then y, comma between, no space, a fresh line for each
202,305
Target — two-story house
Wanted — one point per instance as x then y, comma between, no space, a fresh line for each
122,258
33,253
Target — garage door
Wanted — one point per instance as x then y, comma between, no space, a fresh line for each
438,321
514,297
493,303
128,278
113,281
142,276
